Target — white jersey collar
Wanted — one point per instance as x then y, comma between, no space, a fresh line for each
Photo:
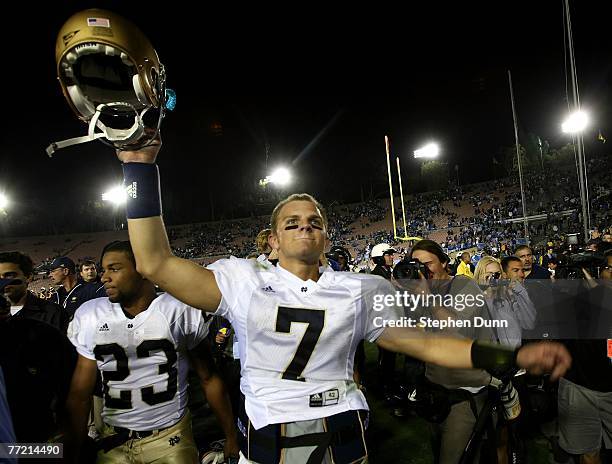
305,287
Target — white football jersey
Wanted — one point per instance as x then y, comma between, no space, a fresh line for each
143,360
297,339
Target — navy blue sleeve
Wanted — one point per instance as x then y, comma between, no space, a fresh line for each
7,434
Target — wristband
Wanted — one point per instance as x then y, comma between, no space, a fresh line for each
141,182
498,360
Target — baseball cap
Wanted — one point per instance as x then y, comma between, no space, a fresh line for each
63,262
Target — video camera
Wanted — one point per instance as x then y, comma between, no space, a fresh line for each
409,268
570,265
572,257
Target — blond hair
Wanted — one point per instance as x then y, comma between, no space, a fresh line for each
262,241
480,271
296,197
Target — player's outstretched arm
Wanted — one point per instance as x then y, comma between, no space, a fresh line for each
444,351
78,406
185,280
537,358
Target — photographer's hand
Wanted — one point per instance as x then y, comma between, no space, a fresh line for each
423,285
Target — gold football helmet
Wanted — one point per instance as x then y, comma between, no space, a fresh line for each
111,76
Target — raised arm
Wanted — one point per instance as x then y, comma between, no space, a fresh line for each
184,279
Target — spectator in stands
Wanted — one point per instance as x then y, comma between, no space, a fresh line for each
552,267
16,265
547,257
592,245
464,265
71,294
532,270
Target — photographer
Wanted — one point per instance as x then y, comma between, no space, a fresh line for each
506,298
463,390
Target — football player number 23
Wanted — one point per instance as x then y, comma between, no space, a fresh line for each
143,350
315,318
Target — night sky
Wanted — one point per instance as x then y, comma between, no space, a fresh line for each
319,84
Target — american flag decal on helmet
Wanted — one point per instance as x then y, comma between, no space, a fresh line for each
99,22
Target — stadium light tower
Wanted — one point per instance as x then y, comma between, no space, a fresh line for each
4,202
115,195
574,125
280,176
431,150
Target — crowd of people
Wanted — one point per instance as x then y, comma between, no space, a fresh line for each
494,205
478,215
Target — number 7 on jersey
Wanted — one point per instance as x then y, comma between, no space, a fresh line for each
315,318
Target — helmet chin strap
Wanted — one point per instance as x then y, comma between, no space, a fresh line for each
117,137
